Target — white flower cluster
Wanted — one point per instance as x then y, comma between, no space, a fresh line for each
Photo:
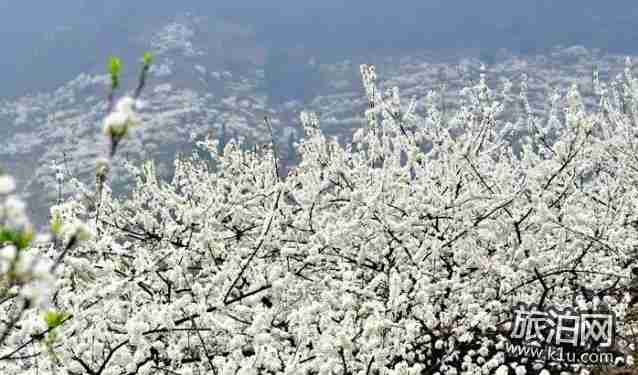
402,255
7,184
32,278
122,118
13,213
26,278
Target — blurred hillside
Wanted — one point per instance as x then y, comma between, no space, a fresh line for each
214,78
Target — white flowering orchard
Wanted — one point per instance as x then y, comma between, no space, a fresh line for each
401,253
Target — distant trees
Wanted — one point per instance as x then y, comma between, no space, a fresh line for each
400,253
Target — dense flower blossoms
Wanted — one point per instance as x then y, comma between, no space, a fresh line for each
400,253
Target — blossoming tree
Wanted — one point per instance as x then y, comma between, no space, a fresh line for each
401,252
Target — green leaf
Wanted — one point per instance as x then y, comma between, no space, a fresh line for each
148,59
56,224
55,318
115,68
19,238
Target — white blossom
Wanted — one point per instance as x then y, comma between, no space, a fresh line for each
7,184
123,118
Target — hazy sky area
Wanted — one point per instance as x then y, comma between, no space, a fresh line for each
46,42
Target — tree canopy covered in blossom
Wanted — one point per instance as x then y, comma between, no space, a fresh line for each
401,252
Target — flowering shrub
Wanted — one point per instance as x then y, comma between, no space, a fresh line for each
27,276
400,253
30,270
